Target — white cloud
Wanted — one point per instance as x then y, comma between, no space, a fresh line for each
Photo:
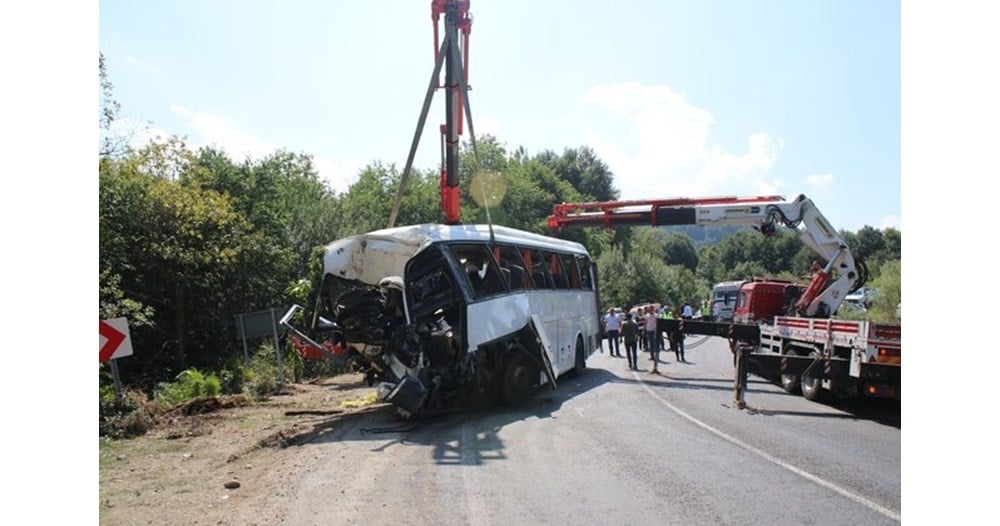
890,222
135,134
339,176
820,180
141,65
217,132
486,125
658,144
212,130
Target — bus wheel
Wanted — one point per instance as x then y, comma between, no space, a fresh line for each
812,388
520,377
581,358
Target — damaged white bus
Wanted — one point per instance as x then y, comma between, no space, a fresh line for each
445,316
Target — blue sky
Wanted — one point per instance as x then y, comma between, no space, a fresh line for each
680,98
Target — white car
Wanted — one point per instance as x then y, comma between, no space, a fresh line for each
861,298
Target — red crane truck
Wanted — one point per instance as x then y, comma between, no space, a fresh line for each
780,330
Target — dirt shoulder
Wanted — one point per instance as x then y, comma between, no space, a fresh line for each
226,465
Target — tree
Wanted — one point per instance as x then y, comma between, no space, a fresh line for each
678,250
110,145
869,244
282,195
181,250
885,307
582,169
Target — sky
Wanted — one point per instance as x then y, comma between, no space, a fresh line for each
806,76
679,98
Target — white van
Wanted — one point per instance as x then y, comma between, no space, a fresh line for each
724,296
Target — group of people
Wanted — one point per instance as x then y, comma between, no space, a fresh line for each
639,331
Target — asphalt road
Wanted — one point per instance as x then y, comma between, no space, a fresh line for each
613,446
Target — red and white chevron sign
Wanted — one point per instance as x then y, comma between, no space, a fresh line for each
115,341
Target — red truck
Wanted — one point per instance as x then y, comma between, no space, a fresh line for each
780,330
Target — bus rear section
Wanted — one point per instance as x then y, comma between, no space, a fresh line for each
451,316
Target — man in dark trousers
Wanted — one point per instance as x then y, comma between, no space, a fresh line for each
612,324
677,337
650,329
630,333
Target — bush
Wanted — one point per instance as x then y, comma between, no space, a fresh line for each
190,384
129,417
260,377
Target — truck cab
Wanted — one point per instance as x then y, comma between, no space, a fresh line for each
760,300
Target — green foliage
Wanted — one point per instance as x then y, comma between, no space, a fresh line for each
190,384
190,239
260,376
885,307
643,278
133,415
111,143
113,302
670,247
584,171
874,246
682,286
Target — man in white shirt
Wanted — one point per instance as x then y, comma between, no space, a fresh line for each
650,326
612,326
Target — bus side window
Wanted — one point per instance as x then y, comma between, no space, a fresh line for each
569,264
559,278
512,267
585,279
539,270
482,271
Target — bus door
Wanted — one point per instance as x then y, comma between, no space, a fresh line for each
432,294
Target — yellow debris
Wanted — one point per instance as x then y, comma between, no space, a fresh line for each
362,401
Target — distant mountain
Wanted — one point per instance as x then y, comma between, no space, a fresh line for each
702,235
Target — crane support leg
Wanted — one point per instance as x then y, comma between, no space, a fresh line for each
741,359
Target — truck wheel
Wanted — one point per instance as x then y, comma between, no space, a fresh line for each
845,391
812,388
519,378
790,382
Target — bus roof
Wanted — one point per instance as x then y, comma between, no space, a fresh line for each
375,255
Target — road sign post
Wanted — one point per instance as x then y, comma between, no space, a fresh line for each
114,342
260,324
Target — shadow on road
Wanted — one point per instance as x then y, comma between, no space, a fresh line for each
458,437
885,412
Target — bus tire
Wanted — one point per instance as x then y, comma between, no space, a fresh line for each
519,378
580,362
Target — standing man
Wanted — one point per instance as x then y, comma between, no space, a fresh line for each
649,324
612,325
687,312
630,333
677,337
